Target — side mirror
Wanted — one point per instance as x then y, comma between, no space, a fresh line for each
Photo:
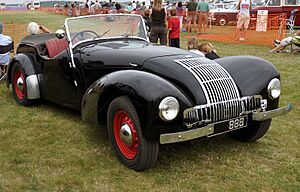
60,33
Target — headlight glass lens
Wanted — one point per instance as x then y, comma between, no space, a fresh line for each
168,108
274,88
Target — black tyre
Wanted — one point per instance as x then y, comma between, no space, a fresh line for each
19,86
222,21
125,133
254,131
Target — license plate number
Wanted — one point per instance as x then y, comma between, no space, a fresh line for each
237,123
230,125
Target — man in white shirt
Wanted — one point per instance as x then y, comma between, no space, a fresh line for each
4,41
133,4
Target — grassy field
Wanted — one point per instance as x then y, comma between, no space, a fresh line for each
48,148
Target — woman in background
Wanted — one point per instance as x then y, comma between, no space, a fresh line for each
158,23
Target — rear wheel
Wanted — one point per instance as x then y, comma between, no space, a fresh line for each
125,133
254,131
19,86
222,21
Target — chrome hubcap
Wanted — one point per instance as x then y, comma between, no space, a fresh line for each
125,134
20,84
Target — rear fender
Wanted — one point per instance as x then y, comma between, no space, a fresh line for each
145,91
33,80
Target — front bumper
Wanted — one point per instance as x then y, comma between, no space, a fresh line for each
208,130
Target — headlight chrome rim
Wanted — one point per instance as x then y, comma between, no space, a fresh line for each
274,89
163,107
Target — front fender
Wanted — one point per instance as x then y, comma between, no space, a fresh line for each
251,74
145,91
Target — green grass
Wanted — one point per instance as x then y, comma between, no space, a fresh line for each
48,148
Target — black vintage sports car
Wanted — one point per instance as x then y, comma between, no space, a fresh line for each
105,66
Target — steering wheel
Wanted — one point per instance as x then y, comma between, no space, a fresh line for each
89,32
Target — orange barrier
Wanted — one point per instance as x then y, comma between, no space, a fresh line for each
16,31
229,34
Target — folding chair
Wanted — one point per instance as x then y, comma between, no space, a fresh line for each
290,23
3,50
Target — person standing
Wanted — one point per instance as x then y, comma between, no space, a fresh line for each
129,8
174,29
147,20
143,7
203,9
158,23
133,4
180,12
191,15
118,7
244,7
97,7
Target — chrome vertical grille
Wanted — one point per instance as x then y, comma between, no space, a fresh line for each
215,81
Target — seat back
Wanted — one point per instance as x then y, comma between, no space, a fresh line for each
290,23
6,48
292,18
3,66
56,46
296,41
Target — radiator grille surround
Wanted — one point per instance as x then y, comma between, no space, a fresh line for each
210,113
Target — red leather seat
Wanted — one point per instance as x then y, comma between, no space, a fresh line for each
56,46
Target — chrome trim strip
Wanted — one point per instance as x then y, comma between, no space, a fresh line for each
186,135
32,86
261,116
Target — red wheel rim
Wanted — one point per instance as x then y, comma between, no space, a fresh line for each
20,93
122,118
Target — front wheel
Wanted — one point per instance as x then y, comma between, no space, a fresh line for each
254,131
125,133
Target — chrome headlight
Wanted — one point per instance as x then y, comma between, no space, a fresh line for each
168,108
274,88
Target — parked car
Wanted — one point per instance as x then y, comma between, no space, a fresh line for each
36,4
223,13
281,6
104,66
2,6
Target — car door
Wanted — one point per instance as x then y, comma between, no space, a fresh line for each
61,81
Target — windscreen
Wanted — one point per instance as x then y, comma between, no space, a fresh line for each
105,26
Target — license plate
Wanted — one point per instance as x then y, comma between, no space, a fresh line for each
230,125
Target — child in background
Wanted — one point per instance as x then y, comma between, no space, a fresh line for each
208,51
193,46
174,29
